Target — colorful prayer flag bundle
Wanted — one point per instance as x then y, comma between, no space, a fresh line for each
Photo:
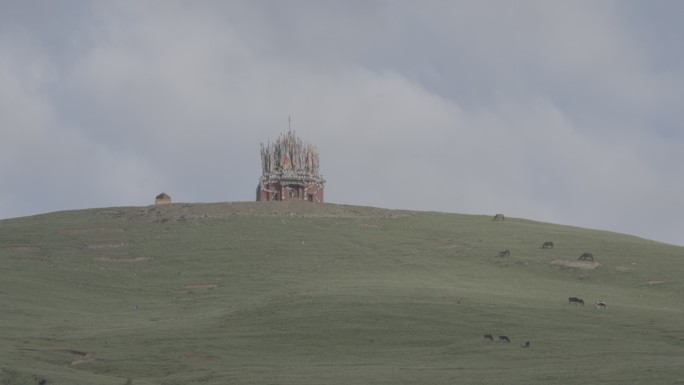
289,154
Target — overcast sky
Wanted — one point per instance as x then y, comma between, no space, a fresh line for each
569,112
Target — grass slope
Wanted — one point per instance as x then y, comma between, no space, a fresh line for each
291,293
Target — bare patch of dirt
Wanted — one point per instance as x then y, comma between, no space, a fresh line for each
655,282
29,257
28,253
201,286
90,230
25,248
585,265
71,351
114,245
452,246
457,300
203,211
82,357
122,259
86,359
197,357
624,269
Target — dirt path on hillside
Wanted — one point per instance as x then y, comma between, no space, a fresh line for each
586,265
201,286
122,259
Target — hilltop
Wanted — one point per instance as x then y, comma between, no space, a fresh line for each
301,293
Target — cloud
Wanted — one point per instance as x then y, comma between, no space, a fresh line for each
560,112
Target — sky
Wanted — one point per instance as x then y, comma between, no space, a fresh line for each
562,112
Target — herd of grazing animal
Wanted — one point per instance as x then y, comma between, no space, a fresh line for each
504,340
600,305
579,301
545,245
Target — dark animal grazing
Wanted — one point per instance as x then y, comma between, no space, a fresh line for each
601,305
586,257
489,337
504,339
526,344
576,301
499,217
504,253
547,245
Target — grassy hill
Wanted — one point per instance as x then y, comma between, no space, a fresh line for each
297,293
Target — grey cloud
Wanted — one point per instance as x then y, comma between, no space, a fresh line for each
549,111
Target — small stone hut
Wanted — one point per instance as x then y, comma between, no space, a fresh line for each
162,199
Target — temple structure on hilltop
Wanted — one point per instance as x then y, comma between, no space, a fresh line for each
290,171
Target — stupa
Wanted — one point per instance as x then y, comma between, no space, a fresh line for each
290,171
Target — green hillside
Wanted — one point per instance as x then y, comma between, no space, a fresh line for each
300,293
